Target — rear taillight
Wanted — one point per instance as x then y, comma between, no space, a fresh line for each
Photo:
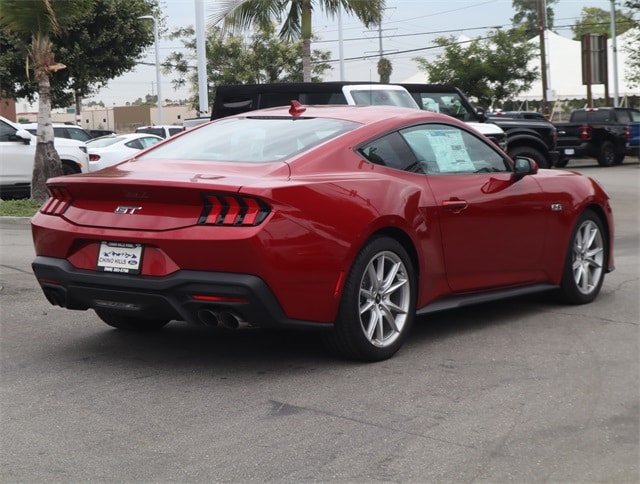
223,209
93,157
627,132
59,201
585,132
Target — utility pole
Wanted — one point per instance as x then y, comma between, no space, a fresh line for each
542,27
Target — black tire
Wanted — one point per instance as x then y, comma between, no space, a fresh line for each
607,155
586,260
378,303
619,159
129,323
562,162
529,152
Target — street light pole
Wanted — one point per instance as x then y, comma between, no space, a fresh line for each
155,38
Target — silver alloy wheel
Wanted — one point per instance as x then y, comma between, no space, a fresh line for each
385,298
588,257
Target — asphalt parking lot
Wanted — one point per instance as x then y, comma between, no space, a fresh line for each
524,390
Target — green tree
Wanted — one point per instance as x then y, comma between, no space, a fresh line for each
104,43
41,19
231,59
384,70
245,14
491,70
527,15
594,20
633,46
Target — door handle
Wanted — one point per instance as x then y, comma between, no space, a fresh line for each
454,205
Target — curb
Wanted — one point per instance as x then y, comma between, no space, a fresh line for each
15,220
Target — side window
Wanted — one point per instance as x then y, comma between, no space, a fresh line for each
7,133
448,149
78,134
146,142
390,150
623,116
134,144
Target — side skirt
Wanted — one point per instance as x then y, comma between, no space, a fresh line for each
478,298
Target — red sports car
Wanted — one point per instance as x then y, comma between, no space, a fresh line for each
351,219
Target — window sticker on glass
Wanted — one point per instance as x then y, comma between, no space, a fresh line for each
450,151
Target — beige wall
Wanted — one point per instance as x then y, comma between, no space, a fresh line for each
123,119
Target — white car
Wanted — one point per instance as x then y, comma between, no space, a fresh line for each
109,150
17,154
61,130
164,131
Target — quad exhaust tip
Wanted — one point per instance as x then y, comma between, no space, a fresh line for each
223,319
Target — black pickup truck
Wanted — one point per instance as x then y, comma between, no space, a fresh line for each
601,133
534,138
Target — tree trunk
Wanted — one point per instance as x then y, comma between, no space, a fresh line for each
47,161
78,100
305,31
306,60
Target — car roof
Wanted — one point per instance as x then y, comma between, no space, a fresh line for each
357,114
55,125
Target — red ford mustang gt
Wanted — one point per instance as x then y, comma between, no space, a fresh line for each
353,219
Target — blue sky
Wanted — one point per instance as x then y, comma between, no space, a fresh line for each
408,25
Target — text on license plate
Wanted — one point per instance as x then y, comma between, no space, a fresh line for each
122,257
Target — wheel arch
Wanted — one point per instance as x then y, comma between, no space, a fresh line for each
597,209
71,164
407,243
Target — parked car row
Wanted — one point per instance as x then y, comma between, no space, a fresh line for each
80,151
17,155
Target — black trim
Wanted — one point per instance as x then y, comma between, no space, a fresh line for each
168,297
479,298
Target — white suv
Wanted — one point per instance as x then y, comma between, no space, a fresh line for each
162,131
61,130
17,154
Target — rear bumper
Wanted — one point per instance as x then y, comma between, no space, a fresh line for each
170,297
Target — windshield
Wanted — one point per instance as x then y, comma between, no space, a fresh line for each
445,103
251,139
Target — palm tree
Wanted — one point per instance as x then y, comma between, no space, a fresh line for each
297,24
40,19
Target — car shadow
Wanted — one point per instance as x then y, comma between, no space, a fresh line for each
185,347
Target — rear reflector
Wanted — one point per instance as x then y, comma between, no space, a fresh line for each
59,201
232,210
219,299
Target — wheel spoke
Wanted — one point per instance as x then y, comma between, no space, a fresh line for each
588,257
384,299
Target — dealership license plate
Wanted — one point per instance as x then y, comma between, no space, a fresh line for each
569,151
120,257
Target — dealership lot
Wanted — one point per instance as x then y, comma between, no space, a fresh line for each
523,390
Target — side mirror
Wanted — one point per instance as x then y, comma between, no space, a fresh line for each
24,136
524,166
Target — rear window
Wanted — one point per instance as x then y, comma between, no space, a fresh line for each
102,142
382,97
251,139
151,130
